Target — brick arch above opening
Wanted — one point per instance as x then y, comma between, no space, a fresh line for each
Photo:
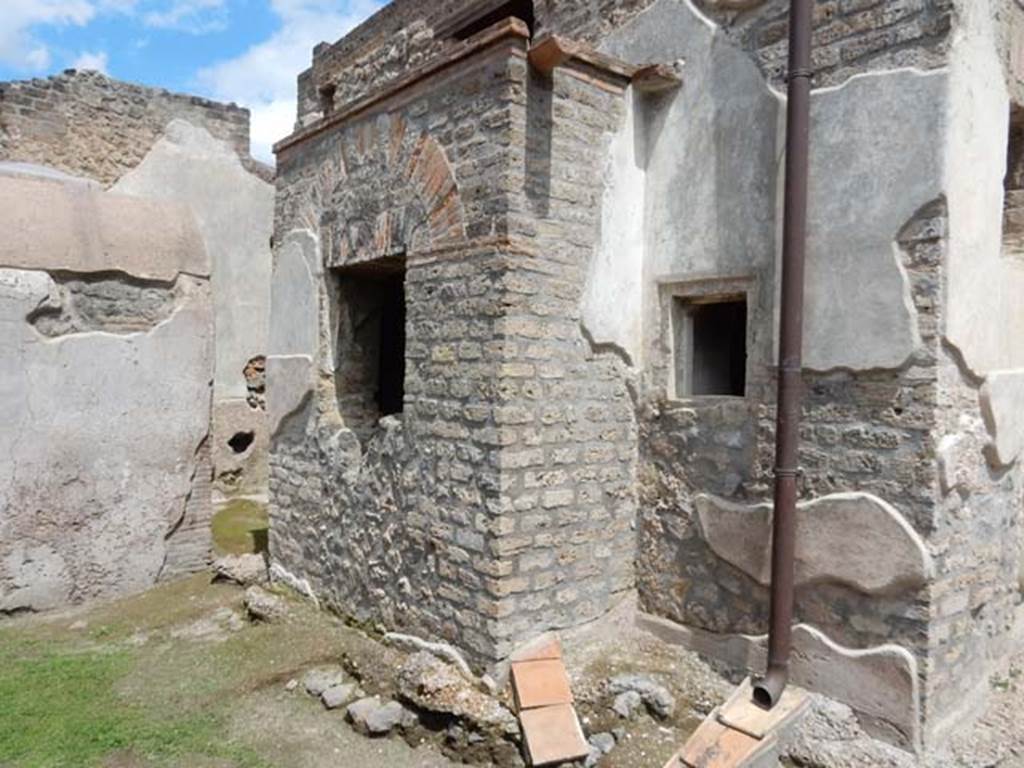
387,189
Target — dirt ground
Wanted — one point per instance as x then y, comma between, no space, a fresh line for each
179,677
176,677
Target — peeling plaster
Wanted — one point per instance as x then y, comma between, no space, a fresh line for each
854,539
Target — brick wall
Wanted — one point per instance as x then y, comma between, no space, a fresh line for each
568,477
86,124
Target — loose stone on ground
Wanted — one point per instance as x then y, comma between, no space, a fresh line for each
262,605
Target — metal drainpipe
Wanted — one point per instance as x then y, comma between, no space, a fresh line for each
768,689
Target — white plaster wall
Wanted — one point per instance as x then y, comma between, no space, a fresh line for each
99,432
712,156
985,290
295,336
613,297
984,287
710,150
876,160
235,211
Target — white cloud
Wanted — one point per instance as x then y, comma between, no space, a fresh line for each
263,78
97,60
194,16
18,47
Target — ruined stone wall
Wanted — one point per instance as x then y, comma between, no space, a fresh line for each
87,124
872,382
397,526
618,204
499,504
159,145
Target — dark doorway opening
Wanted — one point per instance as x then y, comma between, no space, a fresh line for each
391,365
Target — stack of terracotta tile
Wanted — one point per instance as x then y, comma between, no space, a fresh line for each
544,700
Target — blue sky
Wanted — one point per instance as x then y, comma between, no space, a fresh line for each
246,51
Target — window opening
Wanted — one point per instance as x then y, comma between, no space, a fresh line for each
370,376
710,346
327,99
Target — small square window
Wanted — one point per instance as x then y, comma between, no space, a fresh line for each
710,346
327,93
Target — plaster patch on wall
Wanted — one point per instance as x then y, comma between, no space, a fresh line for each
612,311
875,161
709,151
984,311
880,683
293,296
1002,406
99,522
289,388
66,226
234,211
854,539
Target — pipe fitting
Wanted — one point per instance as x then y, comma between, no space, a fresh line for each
769,689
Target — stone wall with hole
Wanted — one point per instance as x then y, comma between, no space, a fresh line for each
107,338
158,145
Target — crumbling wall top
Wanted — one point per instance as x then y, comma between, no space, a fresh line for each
88,124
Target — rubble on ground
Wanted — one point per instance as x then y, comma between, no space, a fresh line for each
339,695
244,570
316,681
655,697
262,605
373,717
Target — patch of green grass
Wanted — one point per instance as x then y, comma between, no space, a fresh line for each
59,707
240,527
